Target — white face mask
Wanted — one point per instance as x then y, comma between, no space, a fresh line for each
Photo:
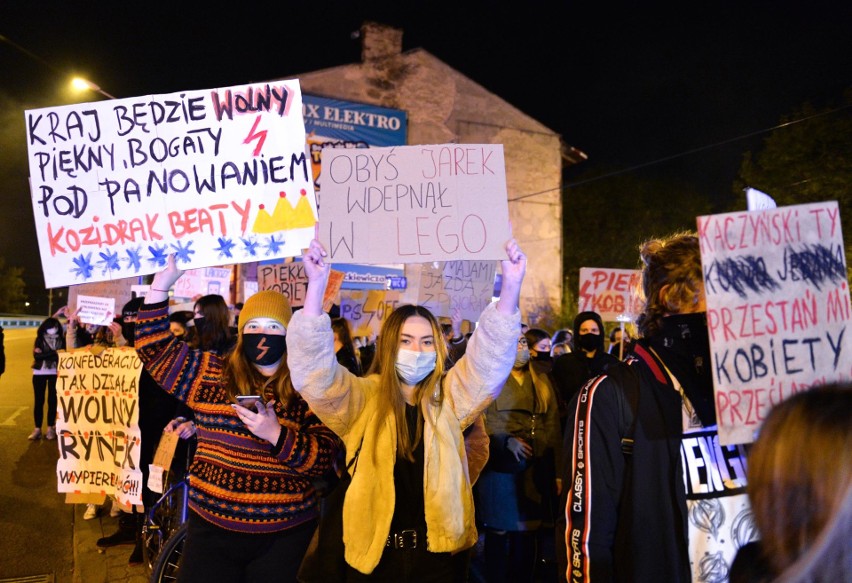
52,331
412,367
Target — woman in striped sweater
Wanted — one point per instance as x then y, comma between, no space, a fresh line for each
252,500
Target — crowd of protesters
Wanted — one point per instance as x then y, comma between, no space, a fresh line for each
510,453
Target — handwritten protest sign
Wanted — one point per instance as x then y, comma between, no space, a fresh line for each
467,285
290,280
367,309
204,281
121,290
162,460
98,423
95,310
412,204
777,309
610,292
216,177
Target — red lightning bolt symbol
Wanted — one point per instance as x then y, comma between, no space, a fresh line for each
256,135
263,347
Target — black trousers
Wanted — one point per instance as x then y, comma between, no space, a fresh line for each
212,554
44,383
412,566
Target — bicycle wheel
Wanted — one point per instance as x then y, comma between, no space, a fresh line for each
164,517
168,562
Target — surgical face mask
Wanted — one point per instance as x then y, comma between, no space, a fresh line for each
522,356
412,366
264,349
51,331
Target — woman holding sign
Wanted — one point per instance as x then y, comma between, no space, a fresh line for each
409,506
253,504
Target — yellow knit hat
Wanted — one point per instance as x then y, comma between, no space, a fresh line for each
265,304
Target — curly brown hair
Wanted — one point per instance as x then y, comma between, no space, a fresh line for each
672,279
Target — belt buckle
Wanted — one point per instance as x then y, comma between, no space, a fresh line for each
406,539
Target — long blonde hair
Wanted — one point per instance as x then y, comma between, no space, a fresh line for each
390,399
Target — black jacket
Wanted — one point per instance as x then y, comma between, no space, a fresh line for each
572,369
45,356
626,516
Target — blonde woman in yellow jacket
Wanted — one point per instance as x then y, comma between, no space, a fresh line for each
409,507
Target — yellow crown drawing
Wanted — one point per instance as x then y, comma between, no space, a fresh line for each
285,216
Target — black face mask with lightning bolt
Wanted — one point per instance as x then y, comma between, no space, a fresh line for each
264,349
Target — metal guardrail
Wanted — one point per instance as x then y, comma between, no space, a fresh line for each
8,321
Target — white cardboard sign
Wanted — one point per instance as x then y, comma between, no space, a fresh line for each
215,176
778,309
466,285
96,310
612,293
413,204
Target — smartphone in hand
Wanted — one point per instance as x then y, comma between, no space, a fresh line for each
249,401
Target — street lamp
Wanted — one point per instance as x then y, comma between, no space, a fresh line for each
81,84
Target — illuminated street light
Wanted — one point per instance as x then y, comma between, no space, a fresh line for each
82,85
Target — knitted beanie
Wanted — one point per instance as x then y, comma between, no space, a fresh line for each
265,304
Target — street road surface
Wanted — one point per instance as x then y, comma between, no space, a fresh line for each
35,522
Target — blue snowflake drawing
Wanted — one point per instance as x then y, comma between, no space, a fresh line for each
158,255
109,261
249,246
83,267
133,259
273,246
182,254
225,247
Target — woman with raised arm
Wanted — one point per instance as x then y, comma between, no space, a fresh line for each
252,500
409,506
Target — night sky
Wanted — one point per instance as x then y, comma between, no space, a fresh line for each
633,86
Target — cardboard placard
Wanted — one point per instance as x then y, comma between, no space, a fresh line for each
778,309
467,285
217,176
612,293
97,423
413,204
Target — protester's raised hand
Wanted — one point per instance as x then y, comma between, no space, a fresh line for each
164,280
316,267
455,321
115,329
515,265
73,317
